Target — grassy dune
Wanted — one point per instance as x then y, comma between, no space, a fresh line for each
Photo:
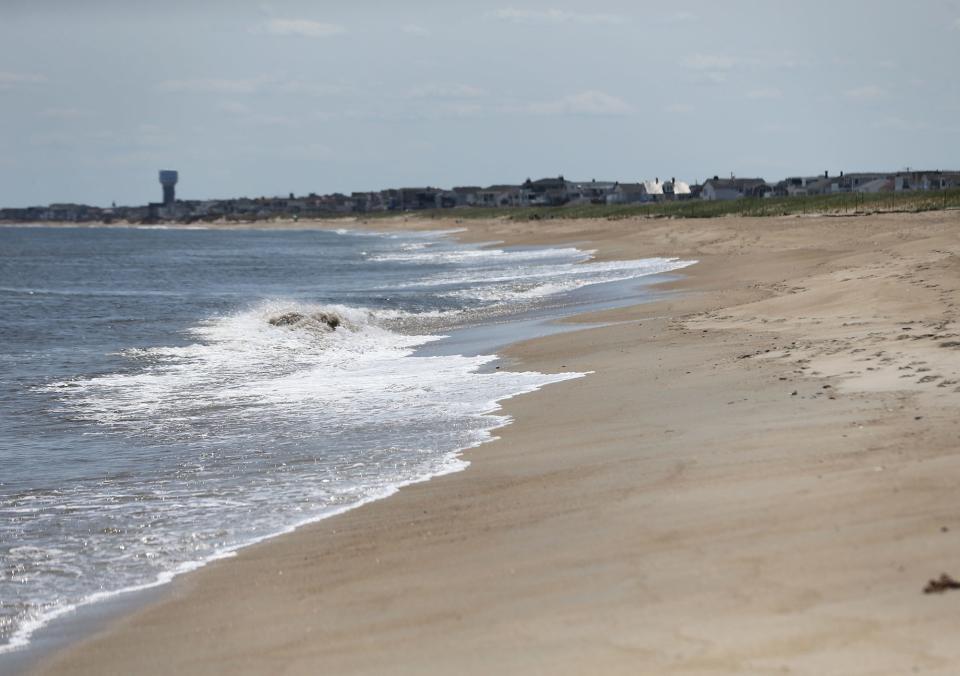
776,206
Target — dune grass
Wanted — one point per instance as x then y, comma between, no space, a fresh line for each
842,204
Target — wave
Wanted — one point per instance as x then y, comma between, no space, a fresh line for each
527,282
266,425
273,416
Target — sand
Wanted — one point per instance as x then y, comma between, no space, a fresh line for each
760,476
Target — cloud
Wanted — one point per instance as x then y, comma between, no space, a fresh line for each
303,28
234,107
64,113
956,25
768,94
712,62
679,108
247,115
900,124
716,68
250,86
309,88
9,80
555,16
446,91
681,17
584,103
212,85
866,93
711,78
711,69
414,29
463,109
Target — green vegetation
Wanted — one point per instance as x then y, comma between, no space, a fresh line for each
842,204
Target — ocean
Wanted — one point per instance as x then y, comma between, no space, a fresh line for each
168,396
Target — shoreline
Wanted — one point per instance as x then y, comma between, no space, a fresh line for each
64,628
732,491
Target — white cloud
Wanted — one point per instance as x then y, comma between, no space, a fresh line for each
250,86
555,16
234,107
681,17
460,109
866,93
713,62
711,69
711,78
309,88
64,113
215,85
446,91
303,28
768,94
310,151
679,108
900,124
9,80
716,67
584,103
247,115
414,29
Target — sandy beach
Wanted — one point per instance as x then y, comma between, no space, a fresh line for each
759,477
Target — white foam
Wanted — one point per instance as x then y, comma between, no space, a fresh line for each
383,418
243,375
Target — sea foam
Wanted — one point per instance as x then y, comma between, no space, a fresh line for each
269,416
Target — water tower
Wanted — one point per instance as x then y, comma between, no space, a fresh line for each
168,179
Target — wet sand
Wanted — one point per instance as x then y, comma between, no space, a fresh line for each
760,476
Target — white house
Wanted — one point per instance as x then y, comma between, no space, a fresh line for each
653,190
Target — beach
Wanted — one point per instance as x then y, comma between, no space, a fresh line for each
758,476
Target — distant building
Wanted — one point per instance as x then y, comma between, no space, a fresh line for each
547,192
926,180
589,192
418,198
466,196
652,190
674,189
168,179
500,196
717,189
627,193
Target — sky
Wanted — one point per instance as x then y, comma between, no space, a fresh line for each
268,98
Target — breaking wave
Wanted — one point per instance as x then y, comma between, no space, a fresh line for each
241,410
271,416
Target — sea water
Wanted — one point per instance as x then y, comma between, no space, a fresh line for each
168,396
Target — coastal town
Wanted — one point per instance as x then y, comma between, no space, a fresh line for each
544,192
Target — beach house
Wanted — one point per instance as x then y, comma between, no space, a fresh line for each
717,189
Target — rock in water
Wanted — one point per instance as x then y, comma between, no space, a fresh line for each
331,320
287,319
326,321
